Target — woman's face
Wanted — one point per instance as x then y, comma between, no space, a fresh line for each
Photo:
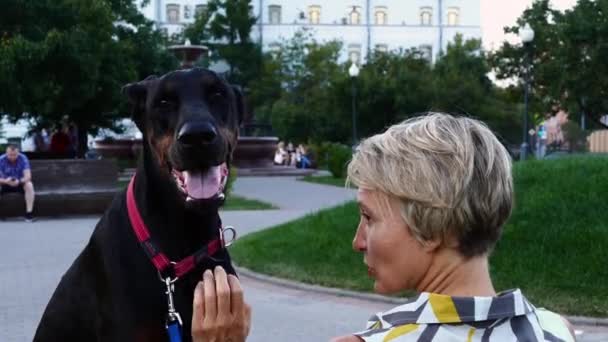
395,259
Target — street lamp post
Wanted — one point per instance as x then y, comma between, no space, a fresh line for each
353,71
526,34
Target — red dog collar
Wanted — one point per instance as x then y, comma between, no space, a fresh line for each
158,258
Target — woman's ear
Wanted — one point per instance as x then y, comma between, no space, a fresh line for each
431,246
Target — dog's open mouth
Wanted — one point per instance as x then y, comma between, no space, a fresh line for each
202,185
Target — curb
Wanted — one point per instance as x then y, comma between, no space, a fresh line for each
576,320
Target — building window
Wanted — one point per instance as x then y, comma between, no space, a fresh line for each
381,15
426,52
314,14
354,53
200,9
354,15
187,12
173,13
426,16
382,48
274,14
453,16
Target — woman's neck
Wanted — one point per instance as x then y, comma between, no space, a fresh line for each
453,275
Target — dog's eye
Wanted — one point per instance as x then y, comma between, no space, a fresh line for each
217,95
166,104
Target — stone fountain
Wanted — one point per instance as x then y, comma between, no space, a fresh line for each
188,54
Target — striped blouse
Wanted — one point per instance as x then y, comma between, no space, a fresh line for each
434,317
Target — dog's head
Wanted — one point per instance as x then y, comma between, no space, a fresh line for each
189,119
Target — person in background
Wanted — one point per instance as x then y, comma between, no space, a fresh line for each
302,159
74,143
280,155
60,141
291,155
16,176
40,140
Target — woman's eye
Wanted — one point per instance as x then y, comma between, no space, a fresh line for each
365,216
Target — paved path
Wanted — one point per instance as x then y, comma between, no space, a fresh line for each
34,256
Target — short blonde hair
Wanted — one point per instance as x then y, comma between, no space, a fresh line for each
450,174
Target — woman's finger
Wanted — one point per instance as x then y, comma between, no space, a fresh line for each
198,312
247,320
223,297
237,299
209,296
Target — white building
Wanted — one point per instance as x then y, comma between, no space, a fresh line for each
362,25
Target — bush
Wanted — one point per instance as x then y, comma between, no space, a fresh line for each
575,137
338,157
320,153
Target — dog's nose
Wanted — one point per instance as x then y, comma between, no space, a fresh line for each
196,133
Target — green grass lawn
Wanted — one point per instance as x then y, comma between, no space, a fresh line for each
233,202
327,180
554,247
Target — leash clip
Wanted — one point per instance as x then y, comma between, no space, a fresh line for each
174,323
226,242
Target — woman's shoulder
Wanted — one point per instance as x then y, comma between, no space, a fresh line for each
555,324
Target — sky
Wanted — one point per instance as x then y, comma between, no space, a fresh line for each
496,14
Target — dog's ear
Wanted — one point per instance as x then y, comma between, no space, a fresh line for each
136,94
240,102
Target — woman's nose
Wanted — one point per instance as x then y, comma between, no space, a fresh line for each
359,243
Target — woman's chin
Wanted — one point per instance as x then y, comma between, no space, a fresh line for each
381,288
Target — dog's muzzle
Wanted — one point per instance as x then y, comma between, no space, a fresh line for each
197,139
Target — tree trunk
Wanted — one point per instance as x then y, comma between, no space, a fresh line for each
83,140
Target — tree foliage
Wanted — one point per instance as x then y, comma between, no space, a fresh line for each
71,57
226,26
305,91
567,56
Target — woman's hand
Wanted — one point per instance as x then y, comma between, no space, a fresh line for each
219,310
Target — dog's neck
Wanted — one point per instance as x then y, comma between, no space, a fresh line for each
178,231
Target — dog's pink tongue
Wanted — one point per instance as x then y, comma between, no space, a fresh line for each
203,185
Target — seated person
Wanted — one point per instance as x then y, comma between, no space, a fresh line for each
280,155
434,193
16,176
291,154
302,159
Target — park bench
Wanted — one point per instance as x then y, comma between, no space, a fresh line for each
66,187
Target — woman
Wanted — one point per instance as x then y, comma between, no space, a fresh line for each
434,194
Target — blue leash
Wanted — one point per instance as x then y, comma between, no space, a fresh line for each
175,331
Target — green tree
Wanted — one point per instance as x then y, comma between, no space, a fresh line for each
299,91
226,26
462,86
71,57
567,55
391,87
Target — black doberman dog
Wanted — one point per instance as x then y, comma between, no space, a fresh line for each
112,291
